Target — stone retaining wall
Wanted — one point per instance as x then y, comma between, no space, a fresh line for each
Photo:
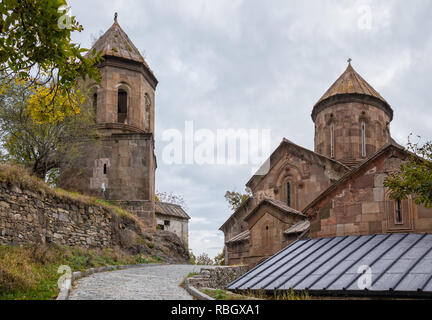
32,217
217,278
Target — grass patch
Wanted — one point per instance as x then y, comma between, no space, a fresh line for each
258,295
141,240
190,275
218,294
30,272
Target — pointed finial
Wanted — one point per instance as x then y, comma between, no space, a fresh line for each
115,16
349,61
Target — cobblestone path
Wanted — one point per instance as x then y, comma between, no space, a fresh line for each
145,283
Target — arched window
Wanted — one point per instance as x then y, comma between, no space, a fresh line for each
288,194
398,212
95,101
363,139
122,106
332,145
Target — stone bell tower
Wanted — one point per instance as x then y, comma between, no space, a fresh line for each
352,120
122,168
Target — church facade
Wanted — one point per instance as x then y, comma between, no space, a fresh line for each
335,190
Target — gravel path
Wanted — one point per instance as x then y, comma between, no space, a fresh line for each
146,283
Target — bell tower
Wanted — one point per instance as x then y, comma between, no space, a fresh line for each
122,168
352,120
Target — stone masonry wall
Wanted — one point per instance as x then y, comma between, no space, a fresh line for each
362,205
31,217
346,120
217,278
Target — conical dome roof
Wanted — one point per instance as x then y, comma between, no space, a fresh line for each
351,83
116,43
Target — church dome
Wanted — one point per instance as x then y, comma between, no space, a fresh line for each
116,43
351,87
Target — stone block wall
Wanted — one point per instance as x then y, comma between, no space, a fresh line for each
32,217
217,278
346,120
307,173
143,210
362,205
237,253
122,163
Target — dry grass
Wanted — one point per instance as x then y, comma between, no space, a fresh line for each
256,295
20,177
218,294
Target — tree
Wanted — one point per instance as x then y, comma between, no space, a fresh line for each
204,260
415,176
192,258
41,146
220,258
170,197
236,199
35,46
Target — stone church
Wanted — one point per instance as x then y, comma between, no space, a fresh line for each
335,190
121,166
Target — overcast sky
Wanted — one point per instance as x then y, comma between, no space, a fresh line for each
248,64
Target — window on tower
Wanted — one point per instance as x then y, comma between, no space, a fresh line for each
398,212
332,152
363,139
122,106
288,194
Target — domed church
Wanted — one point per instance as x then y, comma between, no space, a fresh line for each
335,190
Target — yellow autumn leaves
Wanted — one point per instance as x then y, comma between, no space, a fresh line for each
47,106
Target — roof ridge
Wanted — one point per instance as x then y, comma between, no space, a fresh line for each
316,153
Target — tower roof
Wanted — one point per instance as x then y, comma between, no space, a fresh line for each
351,83
116,43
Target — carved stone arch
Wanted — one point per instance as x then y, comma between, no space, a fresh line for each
292,175
331,120
364,117
124,86
394,208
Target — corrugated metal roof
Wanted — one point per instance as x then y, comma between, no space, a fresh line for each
401,264
169,209
240,237
299,227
